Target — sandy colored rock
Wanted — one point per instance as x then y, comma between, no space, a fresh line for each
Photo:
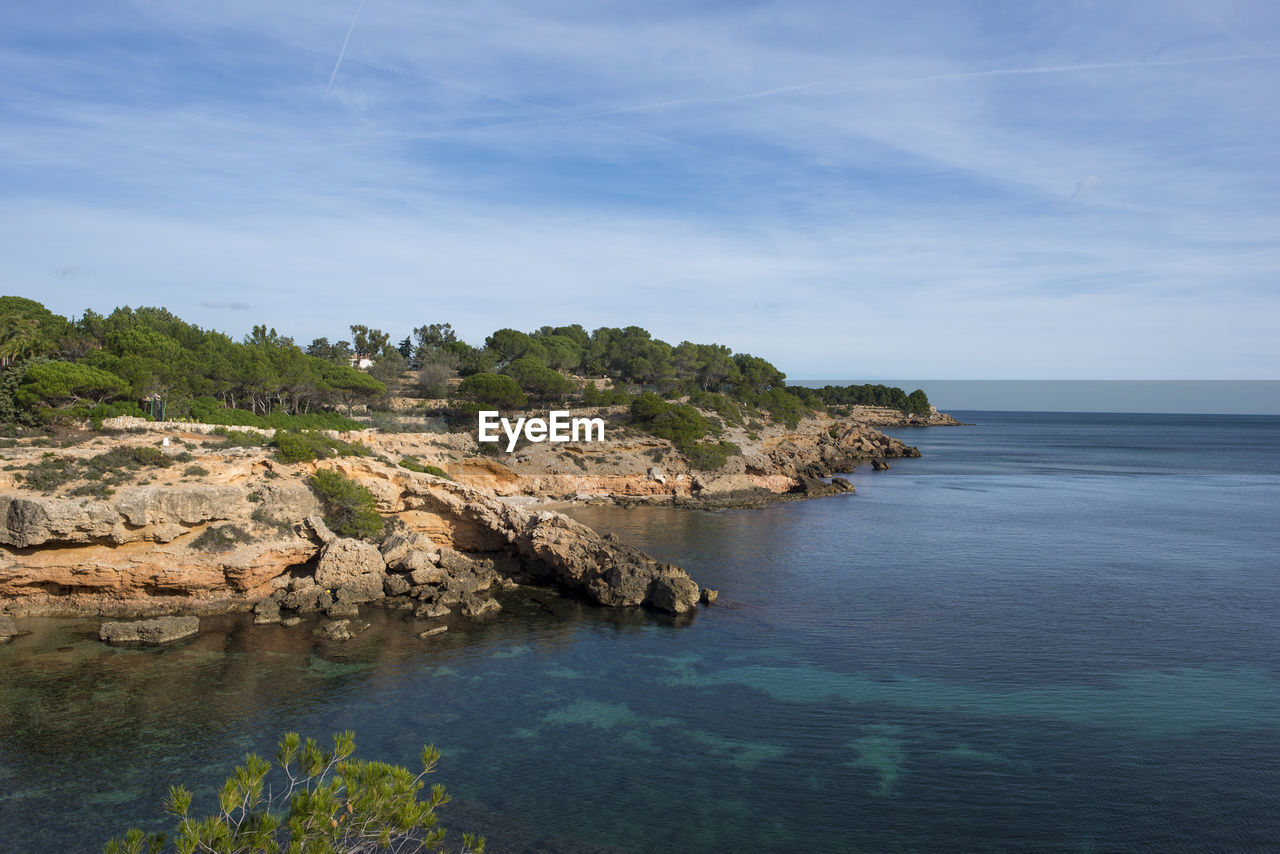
150,632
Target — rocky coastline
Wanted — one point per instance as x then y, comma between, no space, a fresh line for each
247,532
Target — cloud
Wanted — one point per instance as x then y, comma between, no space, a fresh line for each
1092,182
832,163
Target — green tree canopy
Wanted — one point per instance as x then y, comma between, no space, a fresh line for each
63,383
495,390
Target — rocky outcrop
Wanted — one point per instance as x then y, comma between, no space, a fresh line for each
150,632
351,570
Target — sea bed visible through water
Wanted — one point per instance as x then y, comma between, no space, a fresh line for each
1053,632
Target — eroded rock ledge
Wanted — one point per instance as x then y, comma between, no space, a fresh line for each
192,549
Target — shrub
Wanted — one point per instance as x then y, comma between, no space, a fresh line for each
680,423
300,447
220,539
708,456
49,473
350,508
412,464
323,801
495,390
195,471
242,438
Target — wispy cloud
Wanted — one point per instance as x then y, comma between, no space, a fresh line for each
343,52
673,168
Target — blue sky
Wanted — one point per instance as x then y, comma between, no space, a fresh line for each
978,190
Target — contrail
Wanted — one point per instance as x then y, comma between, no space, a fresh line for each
845,86
342,52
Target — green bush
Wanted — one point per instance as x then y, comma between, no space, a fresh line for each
678,422
195,471
412,464
220,539
300,447
322,801
49,473
350,508
497,390
708,456
242,438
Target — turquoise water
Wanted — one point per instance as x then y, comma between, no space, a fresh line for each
1053,632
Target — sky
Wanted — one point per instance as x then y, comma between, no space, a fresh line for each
959,190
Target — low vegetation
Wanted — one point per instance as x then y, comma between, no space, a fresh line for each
309,800
350,508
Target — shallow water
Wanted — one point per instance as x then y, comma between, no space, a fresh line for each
1054,632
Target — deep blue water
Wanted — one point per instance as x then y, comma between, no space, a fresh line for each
1053,632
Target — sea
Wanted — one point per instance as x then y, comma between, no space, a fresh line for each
1054,632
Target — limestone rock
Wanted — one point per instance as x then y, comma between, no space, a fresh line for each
432,611
435,630
342,609
8,628
709,596
395,585
473,607
407,552
320,529
157,631
267,611
341,630
345,562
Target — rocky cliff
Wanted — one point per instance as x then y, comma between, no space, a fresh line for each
199,548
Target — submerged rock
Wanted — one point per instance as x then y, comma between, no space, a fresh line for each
8,628
157,631
473,607
341,630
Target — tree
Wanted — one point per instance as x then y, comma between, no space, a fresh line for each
59,383
508,344
536,379
918,402
326,802
430,338
494,390
27,329
367,342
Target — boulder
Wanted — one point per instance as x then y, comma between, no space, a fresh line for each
341,630
342,609
395,585
656,475
473,607
709,596
428,575
320,529
304,599
266,611
673,591
8,628
432,611
407,552
157,631
353,569
435,630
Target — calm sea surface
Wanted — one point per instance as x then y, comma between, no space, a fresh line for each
1054,632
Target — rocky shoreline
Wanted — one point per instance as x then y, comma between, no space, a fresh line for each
248,532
